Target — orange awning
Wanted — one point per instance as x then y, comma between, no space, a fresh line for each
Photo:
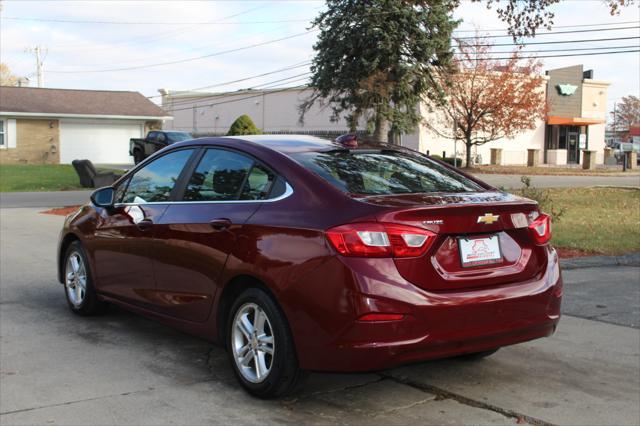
573,121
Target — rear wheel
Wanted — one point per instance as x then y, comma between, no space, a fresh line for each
137,156
260,346
78,283
477,355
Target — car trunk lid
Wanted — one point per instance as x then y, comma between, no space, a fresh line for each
466,223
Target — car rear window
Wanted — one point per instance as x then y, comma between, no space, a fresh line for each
383,172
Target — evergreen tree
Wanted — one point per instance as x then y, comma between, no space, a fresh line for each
243,126
376,59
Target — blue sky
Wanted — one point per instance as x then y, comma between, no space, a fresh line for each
183,29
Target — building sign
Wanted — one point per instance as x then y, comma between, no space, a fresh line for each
566,89
583,141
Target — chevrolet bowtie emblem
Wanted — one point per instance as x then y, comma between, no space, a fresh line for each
488,218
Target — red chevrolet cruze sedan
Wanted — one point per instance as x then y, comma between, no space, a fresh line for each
298,253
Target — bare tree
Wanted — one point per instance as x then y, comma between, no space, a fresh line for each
488,99
7,78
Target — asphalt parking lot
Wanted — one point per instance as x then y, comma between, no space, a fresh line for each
57,368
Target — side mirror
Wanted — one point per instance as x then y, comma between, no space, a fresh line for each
103,197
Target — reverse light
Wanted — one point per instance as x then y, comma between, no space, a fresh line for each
370,239
380,317
541,228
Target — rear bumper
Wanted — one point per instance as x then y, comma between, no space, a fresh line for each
438,325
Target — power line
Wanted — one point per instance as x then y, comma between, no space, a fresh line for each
558,56
553,42
557,26
223,52
156,35
551,33
287,68
294,66
302,34
228,94
631,46
289,88
221,22
284,89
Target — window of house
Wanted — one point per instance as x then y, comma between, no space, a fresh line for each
3,126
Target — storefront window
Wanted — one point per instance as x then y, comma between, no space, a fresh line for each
562,138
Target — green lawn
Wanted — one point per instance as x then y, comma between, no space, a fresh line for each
32,177
597,220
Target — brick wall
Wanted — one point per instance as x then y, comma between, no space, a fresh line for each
37,142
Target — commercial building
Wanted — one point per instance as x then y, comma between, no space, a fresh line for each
58,125
575,121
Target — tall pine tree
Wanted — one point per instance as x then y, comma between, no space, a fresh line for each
375,60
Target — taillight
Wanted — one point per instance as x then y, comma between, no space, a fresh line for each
370,239
541,228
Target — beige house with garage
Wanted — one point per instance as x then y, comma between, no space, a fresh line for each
575,122
57,126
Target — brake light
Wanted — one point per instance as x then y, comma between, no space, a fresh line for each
370,239
541,228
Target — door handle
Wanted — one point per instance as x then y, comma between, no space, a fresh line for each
144,224
220,224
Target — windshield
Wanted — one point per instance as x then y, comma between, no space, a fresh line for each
384,172
178,136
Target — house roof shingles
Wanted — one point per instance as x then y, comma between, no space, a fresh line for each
77,102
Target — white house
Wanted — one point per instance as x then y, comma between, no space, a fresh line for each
53,126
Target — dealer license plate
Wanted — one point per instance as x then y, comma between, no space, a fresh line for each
476,251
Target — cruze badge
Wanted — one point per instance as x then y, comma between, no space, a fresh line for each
488,218
433,222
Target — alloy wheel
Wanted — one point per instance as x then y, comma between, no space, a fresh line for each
76,279
252,342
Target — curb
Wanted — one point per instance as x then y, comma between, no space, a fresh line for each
631,259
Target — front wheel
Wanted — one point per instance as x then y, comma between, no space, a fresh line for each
78,283
260,346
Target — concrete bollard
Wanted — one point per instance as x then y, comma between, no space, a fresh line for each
496,156
632,160
533,157
588,160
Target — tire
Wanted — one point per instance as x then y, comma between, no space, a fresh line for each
78,283
137,156
262,374
476,356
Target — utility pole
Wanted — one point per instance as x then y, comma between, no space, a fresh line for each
39,51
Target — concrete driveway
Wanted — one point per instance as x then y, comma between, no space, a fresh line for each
57,368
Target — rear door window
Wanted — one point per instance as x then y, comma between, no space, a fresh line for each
383,172
223,175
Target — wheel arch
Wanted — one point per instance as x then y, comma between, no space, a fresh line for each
66,241
231,291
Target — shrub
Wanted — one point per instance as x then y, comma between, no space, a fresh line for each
542,196
243,126
448,160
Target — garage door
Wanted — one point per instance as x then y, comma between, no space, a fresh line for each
102,143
